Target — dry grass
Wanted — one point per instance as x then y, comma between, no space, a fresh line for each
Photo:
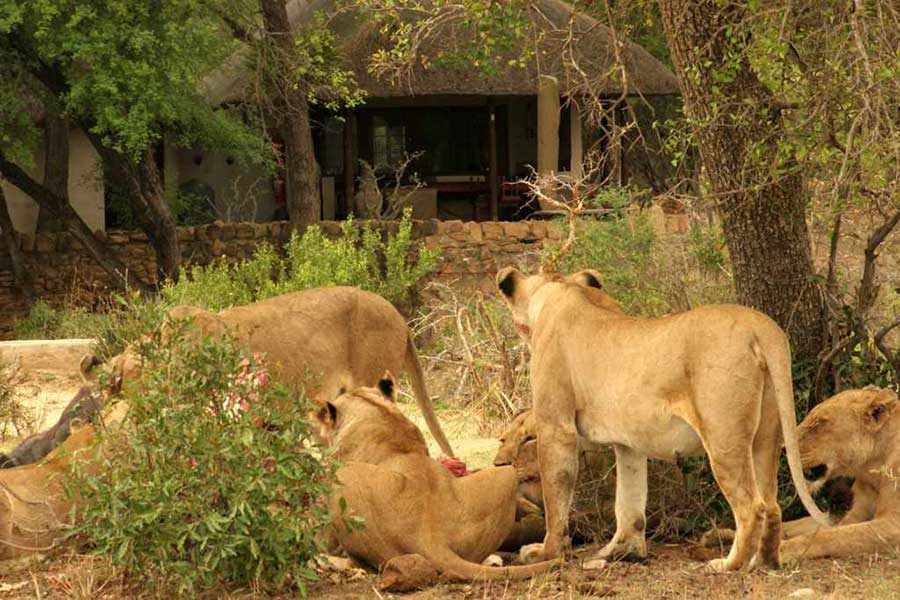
473,359
16,419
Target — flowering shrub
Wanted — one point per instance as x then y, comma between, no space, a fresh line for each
210,481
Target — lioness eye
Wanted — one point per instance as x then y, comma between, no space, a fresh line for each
529,438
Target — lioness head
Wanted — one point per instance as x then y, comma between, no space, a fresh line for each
520,432
121,368
127,366
847,435
365,425
517,290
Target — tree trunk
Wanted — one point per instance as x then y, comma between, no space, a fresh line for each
738,131
60,209
291,111
56,166
20,273
147,198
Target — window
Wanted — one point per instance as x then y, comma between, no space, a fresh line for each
388,143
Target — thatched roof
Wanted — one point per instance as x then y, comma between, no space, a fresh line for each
551,21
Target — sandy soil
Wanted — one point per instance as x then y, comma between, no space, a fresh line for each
46,377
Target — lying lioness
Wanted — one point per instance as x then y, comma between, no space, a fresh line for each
852,434
325,339
410,503
35,510
714,379
84,407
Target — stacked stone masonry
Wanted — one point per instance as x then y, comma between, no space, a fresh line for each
63,273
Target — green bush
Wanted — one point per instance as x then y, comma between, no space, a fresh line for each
708,248
619,248
210,480
43,322
359,257
122,321
649,276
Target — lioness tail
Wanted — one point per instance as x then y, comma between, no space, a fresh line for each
414,369
777,356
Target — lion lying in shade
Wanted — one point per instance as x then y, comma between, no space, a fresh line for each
856,434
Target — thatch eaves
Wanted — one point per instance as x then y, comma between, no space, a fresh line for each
552,23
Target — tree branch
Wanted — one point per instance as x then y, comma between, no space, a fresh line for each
15,253
892,357
60,208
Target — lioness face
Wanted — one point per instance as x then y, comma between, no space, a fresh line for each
513,440
518,289
365,423
841,436
122,368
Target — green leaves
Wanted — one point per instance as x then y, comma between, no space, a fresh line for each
359,257
192,497
126,70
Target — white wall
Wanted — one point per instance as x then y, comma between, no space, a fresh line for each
85,187
242,192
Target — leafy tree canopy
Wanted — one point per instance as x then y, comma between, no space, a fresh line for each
127,72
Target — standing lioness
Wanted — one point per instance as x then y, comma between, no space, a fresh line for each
717,378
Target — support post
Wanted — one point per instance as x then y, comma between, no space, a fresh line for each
349,164
547,126
492,170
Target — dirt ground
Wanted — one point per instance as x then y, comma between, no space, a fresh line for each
673,571
46,377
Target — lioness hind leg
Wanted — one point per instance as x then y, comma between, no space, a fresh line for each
736,480
730,456
766,452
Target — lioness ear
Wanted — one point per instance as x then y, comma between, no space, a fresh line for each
327,415
586,278
507,279
880,408
87,364
387,386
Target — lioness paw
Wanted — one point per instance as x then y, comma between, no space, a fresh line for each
717,565
492,561
532,553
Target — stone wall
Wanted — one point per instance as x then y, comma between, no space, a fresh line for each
64,274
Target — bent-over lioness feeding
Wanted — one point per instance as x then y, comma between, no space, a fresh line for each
327,339
716,378
410,503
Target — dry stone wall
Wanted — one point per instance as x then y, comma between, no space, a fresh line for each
64,274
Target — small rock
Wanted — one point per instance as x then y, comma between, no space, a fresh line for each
594,564
803,593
